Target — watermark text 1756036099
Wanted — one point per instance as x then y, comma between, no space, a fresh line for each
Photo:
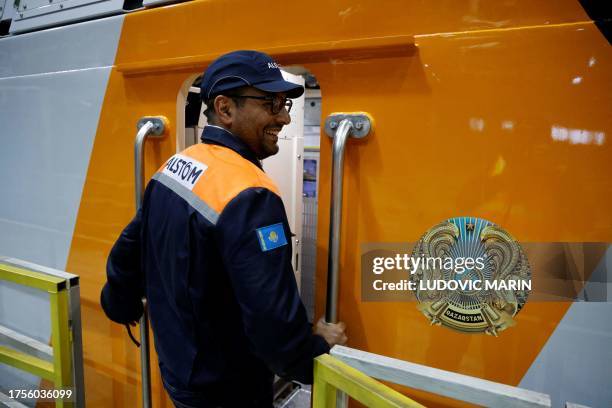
42,394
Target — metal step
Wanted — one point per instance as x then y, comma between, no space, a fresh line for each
298,398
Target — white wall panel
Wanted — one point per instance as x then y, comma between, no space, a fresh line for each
580,346
79,46
52,86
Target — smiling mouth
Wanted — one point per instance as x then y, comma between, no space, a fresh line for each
273,132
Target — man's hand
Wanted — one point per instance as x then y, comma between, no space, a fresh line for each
333,333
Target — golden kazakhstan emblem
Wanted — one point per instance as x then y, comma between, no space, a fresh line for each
273,237
485,297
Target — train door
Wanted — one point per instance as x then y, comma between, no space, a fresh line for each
286,169
312,135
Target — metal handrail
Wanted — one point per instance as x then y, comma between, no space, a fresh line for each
445,383
147,127
335,220
332,378
339,127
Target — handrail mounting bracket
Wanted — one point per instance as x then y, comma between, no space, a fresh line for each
158,122
361,124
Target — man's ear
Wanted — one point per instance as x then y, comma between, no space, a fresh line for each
224,109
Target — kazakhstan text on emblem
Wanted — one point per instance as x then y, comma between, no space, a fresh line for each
486,296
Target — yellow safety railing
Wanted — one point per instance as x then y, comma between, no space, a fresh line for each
59,370
332,375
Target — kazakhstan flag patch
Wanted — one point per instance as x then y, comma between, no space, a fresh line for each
272,236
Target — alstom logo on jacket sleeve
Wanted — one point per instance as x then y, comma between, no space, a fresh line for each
184,169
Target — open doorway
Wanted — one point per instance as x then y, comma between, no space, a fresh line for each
295,169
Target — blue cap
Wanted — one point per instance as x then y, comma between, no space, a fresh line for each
246,68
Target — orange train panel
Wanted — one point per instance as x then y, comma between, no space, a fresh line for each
466,126
463,126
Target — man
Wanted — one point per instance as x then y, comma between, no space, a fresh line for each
212,243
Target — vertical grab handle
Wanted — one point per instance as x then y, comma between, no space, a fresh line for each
147,127
339,126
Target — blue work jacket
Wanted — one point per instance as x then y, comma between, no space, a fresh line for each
211,249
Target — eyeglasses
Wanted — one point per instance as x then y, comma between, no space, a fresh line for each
276,103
